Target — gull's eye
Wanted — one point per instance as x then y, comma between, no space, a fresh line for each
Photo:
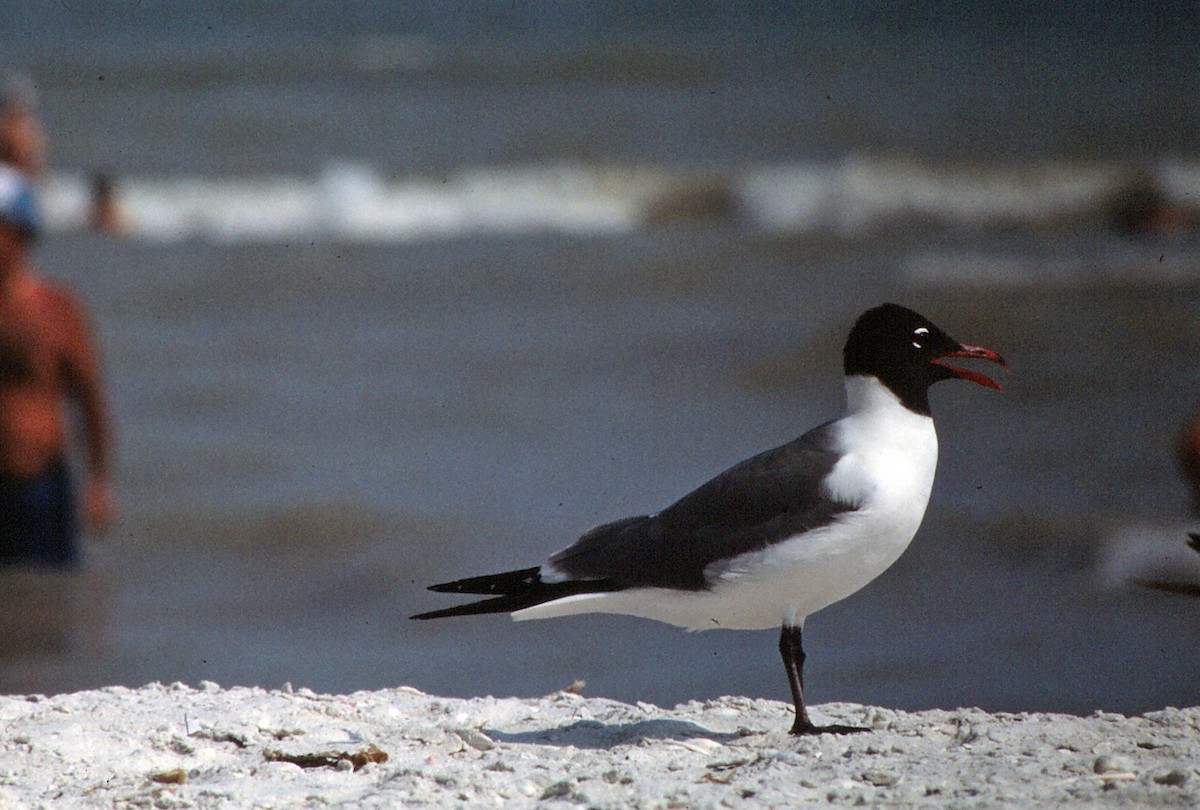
920,331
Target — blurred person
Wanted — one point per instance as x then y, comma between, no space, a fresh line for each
106,215
22,139
48,359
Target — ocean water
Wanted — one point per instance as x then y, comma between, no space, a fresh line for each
424,293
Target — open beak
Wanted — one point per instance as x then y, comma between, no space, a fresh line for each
978,353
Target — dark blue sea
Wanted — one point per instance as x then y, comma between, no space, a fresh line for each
424,290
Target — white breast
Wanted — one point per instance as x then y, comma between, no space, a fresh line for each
889,455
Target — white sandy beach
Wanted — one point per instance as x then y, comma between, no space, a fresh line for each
179,746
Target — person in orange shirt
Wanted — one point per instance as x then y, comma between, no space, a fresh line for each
48,359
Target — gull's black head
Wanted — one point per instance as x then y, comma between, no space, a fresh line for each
906,352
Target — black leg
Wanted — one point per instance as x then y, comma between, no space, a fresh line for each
792,651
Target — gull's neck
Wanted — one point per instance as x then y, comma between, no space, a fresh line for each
866,394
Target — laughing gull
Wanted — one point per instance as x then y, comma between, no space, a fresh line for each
780,535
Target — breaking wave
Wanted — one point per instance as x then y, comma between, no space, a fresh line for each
851,199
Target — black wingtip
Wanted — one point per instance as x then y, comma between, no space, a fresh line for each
509,582
473,609
509,592
499,604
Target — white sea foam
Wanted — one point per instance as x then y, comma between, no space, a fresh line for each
852,199
859,194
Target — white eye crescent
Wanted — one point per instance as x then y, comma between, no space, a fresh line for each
920,330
